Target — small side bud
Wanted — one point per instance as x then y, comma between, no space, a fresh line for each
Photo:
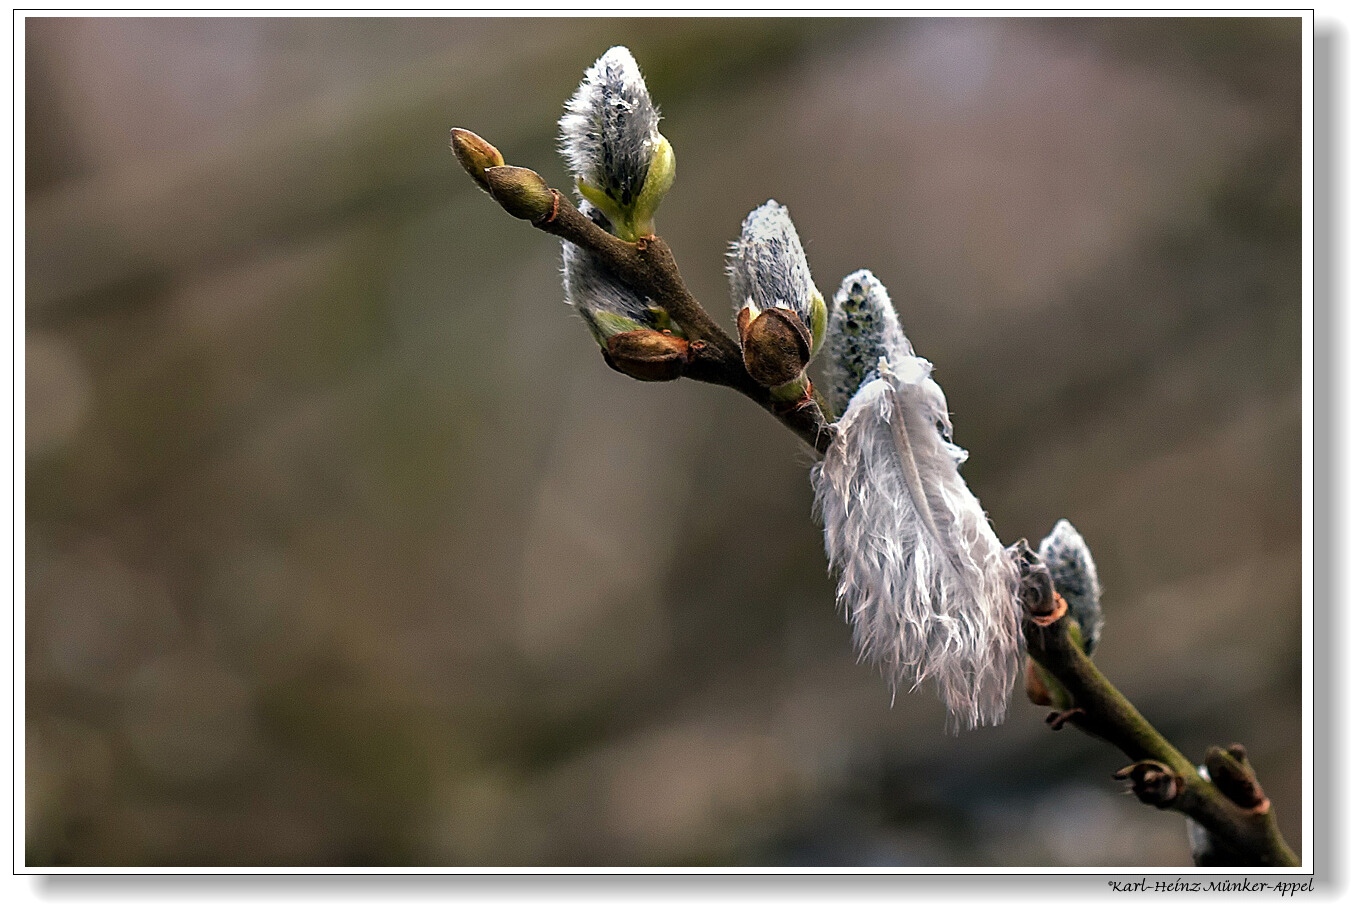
776,346
476,155
522,192
1230,772
647,355
1152,782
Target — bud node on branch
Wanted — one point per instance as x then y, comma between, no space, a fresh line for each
522,192
1232,774
1153,783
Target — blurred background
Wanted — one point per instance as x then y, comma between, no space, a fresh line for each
345,547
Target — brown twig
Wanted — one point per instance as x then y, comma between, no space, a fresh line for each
647,267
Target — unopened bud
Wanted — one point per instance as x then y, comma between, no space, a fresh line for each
475,154
1072,568
1152,782
776,344
650,356
522,192
610,136
767,270
1230,772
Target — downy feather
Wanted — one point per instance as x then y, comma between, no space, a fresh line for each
925,583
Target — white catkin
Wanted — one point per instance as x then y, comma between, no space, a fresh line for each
1073,572
863,328
767,266
925,583
593,290
610,128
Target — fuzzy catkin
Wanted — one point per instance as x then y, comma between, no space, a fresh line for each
1072,567
863,328
610,127
767,266
604,301
925,583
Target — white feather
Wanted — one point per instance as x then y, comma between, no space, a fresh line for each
924,581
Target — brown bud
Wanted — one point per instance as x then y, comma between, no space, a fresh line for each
647,355
522,192
475,154
776,345
1234,777
1152,782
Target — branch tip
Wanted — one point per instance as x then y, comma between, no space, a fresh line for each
475,154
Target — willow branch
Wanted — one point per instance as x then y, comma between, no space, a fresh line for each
649,268
1231,808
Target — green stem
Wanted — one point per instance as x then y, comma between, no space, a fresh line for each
1107,714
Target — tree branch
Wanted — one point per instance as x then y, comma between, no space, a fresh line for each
1244,826
649,268
1230,806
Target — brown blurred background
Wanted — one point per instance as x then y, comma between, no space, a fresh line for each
344,546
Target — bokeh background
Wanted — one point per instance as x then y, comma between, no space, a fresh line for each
344,546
